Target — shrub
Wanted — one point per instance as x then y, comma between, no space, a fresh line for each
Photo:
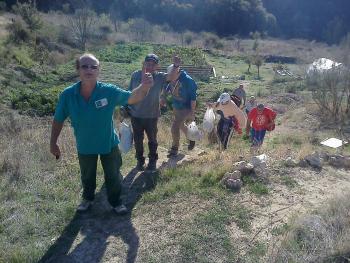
29,14
212,41
188,37
2,6
331,92
320,236
121,53
38,103
18,32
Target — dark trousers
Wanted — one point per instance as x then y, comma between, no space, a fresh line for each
111,164
224,130
140,126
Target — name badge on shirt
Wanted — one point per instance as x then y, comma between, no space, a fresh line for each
101,103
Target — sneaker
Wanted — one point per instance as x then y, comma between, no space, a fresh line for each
172,152
84,206
152,166
120,210
191,145
140,165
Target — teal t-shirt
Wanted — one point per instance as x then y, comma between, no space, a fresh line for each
92,120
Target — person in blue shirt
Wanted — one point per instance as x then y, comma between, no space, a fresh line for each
90,105
184,99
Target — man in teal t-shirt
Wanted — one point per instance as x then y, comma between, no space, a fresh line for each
90,105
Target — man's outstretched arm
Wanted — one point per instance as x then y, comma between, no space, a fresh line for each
55,132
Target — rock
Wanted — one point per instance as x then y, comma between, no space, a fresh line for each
336,162
347,162
339,161
234,175
232,181
290,162
259,160
244,167
314,160
303,163
234,185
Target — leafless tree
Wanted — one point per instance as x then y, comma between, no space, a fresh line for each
81,25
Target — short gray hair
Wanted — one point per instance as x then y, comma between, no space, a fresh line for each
77,61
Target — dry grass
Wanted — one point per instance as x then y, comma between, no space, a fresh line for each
38,189
321,236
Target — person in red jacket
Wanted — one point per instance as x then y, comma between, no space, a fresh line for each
260,119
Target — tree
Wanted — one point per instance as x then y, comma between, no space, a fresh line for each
258,60
29,14
115,14
248,59
81,24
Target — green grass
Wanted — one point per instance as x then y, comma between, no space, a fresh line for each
215,244
255,185
280,230
289,181
122,53
242,216
184,180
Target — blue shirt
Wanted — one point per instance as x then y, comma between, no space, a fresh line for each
183,91
92,120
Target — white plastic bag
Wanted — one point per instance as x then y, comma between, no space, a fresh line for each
208,121
193,133
125,135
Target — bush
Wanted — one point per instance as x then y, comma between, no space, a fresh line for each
188,37
121,53
29,14
189,56
65,36
321,236
38,103
212,41
21,55
18,32
331,92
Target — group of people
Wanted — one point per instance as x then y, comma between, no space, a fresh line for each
256,120
90,104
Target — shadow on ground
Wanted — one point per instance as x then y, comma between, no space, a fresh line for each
99,234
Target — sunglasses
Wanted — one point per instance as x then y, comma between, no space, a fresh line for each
85,67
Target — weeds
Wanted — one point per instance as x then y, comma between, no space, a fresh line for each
255,185
319,236
242,217
289,181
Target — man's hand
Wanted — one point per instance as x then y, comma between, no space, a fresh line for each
146,80
55,150
142,90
